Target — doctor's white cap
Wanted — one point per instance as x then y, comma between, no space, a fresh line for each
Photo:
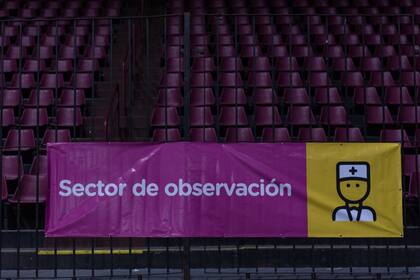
350,170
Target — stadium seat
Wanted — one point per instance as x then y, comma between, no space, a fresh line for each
201,116
239,134
71,98
202,97
33,117
166,135
201,134
300,115
315,134
12,167
265,96
296,96
56,135
8,118
378,115
20,139
233,97
334,116
348,134
277,134
11,97
366,96
69,117
395,135
267,116
40,98
233,116
327,96
32,189
39,165
408,115
411,164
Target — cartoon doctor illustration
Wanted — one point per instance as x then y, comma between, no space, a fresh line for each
353,187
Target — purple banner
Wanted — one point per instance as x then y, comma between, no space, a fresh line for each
177,190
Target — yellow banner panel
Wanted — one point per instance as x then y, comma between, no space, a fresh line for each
354,190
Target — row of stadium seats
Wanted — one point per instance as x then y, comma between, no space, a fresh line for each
301,71
394,63
293,79
47,52
39,117
392,96
49,70
12,98
47,81
32,183
18,140
54,9
295,116
282,134
31,65
372,7
26,33
263,56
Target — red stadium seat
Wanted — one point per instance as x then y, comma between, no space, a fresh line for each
348,134
20,139
233,116
395,135
201,116
69,117
315,134
277,134
166,135
32,189
207,134
12,167
239,134
56,135
39,165
33,117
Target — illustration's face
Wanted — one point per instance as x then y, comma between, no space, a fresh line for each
353,191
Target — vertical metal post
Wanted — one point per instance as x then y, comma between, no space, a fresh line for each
74,79
147,52
1,150
217,87
416,96
237,74
130,62
92,73
165,71
19,152
37,135
308,89
111,65
187,56
274,90
56,47
186,259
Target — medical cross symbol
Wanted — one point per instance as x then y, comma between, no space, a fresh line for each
353,170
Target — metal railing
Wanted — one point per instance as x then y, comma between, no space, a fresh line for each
145,45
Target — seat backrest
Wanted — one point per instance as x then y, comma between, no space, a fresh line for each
22,139
239,134
203,134
166,135
277,134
